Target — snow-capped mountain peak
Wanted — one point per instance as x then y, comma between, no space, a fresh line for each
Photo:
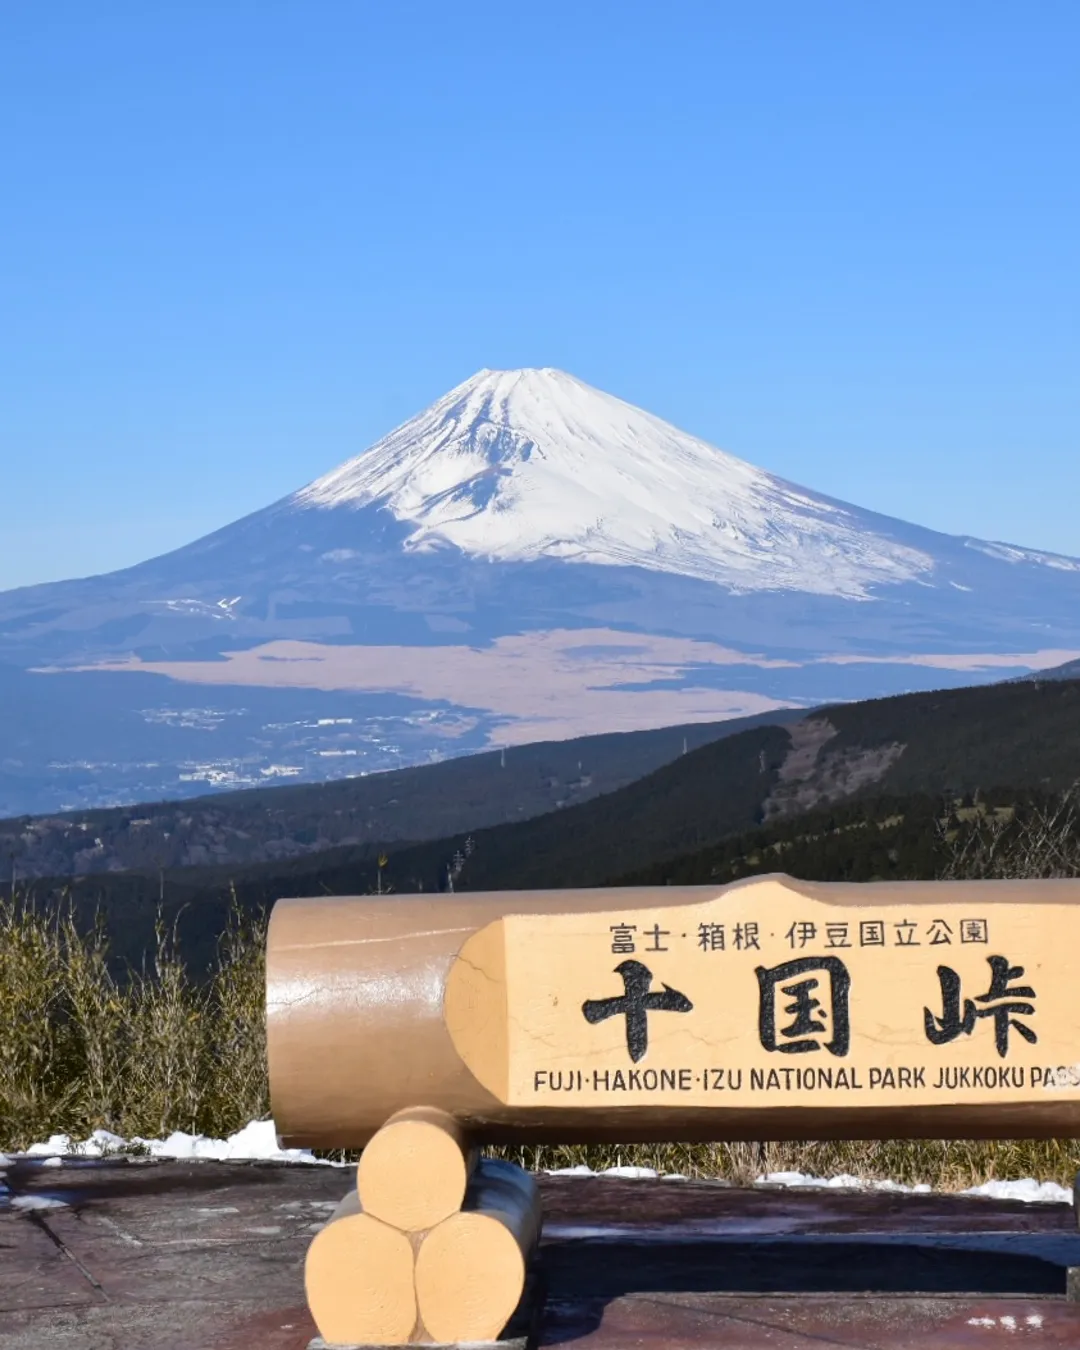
518,465
529,559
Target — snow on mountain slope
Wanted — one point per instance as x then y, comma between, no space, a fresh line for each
521,465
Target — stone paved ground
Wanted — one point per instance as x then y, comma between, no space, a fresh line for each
151,1255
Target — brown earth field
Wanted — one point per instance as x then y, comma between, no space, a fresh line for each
554,685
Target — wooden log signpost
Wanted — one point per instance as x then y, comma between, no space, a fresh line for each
426,1027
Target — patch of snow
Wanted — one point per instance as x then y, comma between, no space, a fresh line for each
1031,1191
518,465
1033,1320
1010,553
1025,1189
36,1202
638,1173
256,1141
844,1182
634,1173
98,1145
194,608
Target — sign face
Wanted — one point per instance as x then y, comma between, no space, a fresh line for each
766,998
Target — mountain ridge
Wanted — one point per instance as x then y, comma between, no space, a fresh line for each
529,559
701,817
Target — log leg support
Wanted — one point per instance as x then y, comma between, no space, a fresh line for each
519,1334
434,1247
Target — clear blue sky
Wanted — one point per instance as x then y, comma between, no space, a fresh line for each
240,241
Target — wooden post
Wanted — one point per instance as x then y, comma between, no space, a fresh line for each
414,1172
359,1280
369,1282
471,1268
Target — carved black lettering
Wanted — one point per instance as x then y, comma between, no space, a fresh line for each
809,1015
635,1004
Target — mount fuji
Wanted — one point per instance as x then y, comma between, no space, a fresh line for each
527,559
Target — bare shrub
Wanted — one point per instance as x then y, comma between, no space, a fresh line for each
1040,842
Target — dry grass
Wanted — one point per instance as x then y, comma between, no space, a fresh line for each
159,1052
